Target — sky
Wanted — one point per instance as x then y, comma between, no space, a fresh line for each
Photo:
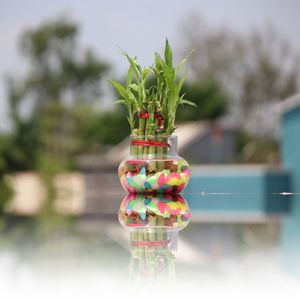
139,27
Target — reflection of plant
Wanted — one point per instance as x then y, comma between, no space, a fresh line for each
151,266
154,222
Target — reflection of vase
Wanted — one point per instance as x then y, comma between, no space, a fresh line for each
154,166
146,212
154,222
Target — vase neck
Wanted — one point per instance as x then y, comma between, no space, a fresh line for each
156,147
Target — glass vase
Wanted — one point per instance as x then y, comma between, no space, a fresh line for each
154,166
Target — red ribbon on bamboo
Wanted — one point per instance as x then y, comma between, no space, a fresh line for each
160,118
150,143
151,243
145,115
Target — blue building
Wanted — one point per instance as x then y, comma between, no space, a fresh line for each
257,193
255,190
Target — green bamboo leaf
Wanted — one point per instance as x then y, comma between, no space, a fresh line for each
158,61
146,73
133,64
129,76
134,102
134,86
168,54
181,82
121,101
120,88
140,69
131,123
184,101
178,68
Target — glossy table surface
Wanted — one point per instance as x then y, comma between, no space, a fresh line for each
240,242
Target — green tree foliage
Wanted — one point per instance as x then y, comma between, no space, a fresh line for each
5,195
106,129
60,76
255,68
255,149
5,190
60,71
209,97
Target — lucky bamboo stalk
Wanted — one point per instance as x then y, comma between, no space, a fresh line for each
135,148
141,135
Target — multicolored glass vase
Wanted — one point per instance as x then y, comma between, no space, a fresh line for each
154,166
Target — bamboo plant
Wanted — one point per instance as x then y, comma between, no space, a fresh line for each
154,106
152,115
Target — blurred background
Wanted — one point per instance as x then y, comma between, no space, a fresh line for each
62,137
